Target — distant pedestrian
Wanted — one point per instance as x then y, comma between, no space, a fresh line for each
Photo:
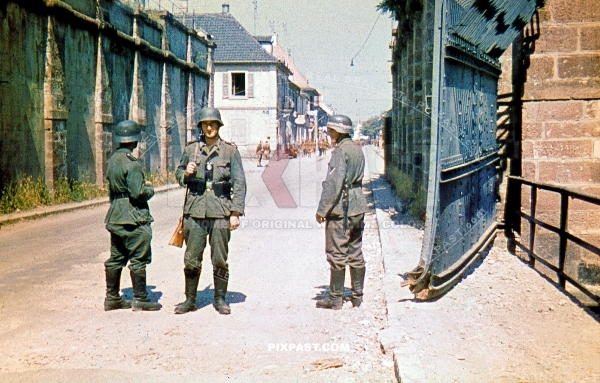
212,170
128,221
266,150
343,206
259,154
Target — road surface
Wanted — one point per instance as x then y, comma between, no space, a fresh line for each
52,287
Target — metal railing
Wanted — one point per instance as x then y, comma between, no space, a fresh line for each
565,237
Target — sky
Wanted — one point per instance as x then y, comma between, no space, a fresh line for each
323,36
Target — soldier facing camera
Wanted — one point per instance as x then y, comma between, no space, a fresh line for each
212,171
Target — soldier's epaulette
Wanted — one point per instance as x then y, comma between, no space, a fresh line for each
200,142
229,143
131,157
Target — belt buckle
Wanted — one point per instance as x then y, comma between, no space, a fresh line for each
209,185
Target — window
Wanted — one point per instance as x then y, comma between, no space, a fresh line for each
238,84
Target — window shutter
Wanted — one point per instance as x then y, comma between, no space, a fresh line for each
226,85
250,85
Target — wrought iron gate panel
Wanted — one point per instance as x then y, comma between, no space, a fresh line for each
469,36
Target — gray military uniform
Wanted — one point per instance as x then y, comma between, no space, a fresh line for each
217,189
128,218
343,245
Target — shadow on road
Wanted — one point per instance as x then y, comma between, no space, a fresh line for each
153,295
324,293
206,297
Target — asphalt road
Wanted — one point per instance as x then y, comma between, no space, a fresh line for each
52,288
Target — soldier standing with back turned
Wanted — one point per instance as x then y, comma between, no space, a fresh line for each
343,207
128,221
212,170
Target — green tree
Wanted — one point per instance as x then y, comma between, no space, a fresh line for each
371,126
400,6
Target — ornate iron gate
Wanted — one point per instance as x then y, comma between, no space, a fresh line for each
468,38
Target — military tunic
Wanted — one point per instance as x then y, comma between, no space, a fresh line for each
345,173
128,219
216,191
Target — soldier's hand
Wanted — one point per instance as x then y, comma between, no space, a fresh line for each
234,222
190,169
319,218
148,183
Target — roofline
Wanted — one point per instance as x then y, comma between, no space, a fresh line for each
229,15
168,16
245,62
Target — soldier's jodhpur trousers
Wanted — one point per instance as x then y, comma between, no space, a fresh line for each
195,231
129,243
345,248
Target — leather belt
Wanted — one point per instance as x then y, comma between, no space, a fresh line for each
220,188
197,187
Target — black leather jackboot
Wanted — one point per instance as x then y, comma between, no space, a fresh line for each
357,276
336,289
192,277
141,302
113,300
221,280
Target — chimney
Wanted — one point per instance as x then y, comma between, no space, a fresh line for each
225,8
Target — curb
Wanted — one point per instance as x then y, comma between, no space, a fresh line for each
43,211
388,331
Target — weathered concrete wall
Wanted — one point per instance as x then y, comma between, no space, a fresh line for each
21,89
70,70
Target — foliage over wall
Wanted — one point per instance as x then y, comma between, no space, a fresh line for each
412,201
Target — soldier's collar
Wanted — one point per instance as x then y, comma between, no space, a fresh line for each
343,140
210,149
128,153
125,150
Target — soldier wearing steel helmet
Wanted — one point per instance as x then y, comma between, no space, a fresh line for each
342,207
211,168
128,221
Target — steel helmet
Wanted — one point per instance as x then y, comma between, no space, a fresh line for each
340,123
127,131
210,114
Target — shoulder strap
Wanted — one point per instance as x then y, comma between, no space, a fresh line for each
187,189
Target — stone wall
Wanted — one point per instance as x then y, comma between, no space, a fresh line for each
70,70
561,115
560,140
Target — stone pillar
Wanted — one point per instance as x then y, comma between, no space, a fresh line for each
165,123
190,125
55,112
102,116
210,68
137,105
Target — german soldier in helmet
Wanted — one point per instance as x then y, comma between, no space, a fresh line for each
128,221
343,206
211,168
